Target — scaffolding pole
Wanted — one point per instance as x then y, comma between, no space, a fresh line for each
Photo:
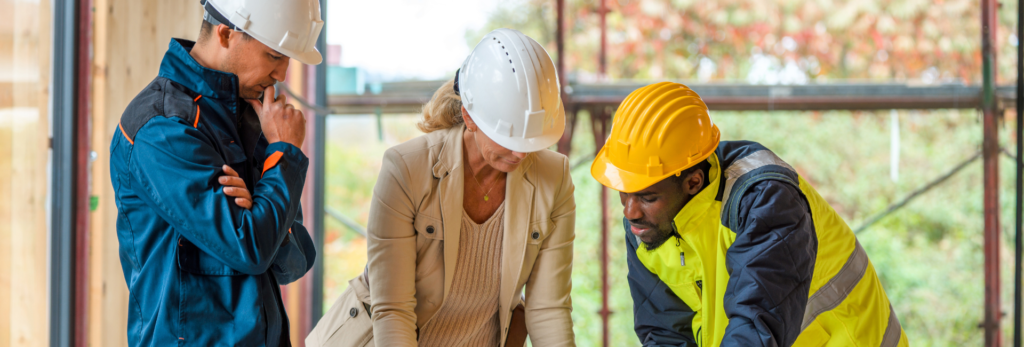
1019,161
600,125
990,155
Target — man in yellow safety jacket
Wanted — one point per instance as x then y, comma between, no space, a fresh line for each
727,244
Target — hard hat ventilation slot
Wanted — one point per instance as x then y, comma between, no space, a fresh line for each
506,54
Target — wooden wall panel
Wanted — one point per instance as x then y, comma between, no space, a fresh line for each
130,38
25,45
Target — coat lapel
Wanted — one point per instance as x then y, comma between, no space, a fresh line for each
450,188
518,213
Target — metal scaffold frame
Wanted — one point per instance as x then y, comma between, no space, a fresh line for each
601,98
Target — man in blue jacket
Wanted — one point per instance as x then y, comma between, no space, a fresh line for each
207,180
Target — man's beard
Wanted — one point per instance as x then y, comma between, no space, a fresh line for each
231,66
660,237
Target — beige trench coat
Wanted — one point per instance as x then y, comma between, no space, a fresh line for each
414,226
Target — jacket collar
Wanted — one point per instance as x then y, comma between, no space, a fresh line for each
697,207
179,66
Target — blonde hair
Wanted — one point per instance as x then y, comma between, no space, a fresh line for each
443,111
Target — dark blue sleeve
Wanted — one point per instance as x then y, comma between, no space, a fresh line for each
770,267
175,167
296,255
660,318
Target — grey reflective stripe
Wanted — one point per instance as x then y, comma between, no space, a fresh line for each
748,164
893,331
835,291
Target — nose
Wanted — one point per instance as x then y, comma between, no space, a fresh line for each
280,71
519,155
631,209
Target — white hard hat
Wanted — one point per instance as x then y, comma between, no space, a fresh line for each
510,88
290,27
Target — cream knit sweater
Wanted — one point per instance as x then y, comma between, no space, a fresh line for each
469,317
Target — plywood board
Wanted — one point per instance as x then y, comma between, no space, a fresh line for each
24,135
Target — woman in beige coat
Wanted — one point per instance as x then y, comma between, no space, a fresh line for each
466,216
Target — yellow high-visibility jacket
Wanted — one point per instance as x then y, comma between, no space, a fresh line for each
760,259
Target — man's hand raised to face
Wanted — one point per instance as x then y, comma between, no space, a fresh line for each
280,121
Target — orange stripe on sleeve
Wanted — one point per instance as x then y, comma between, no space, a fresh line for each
196,124
125,134
271,161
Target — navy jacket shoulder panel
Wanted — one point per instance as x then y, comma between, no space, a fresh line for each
731,151
162,97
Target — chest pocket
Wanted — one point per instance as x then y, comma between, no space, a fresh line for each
428,230
678,265
536,234
539,232
193,260
230,150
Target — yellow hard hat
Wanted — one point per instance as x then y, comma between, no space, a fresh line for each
658,131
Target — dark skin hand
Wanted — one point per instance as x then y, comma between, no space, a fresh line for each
651,211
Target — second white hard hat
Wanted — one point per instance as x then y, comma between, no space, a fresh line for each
290,27
510,88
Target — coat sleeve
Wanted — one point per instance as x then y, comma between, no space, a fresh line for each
770,265
660,318
391,255
174,167
548,304
296,255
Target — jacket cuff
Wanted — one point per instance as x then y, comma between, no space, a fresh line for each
279,152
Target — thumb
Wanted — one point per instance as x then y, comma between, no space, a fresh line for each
256,104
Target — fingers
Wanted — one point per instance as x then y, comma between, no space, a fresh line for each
241,195
236,192
269,93
231,181
234,187
244,203
229,171
256,105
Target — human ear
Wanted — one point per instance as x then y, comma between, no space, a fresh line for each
468,120
694,182
223,34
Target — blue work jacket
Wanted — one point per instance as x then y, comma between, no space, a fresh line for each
202,271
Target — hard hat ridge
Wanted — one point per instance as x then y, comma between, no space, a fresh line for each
510,88
658,131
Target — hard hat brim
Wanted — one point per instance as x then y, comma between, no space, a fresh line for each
310,58
611,176
605,172
526,145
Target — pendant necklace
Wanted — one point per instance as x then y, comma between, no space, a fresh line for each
486,196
